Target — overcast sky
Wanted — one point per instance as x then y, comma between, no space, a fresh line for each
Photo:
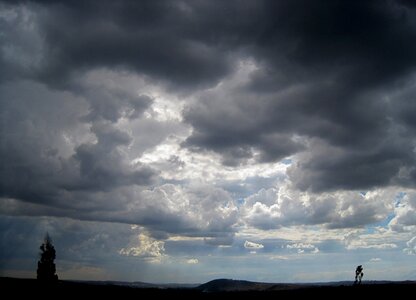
183,141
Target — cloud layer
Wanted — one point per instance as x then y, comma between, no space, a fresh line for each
189,128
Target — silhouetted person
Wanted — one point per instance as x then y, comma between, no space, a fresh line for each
358,274
46,267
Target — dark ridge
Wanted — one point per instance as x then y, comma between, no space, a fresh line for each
228,285
216,288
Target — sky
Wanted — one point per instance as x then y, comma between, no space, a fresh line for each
183,141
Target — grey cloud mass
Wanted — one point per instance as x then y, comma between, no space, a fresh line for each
271,208
329,78
331,84
128,35
41,156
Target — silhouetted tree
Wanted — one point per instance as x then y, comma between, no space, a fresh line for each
358,274
46,266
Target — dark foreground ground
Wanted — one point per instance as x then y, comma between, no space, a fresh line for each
63,289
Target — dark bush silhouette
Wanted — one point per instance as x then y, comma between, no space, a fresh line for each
358,274
46,266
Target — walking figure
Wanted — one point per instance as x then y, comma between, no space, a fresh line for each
358,274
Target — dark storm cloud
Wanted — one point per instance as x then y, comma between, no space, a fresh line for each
327,85
325,82
192,42
41,158
236,128
101,164
112,105
160,39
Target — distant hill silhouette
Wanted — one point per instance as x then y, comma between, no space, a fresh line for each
228,285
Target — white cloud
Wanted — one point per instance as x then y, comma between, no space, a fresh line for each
375,259
286,206
192,261
315,250
197,210
411,246
302,248
145,247
252,246
356,240
404,211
